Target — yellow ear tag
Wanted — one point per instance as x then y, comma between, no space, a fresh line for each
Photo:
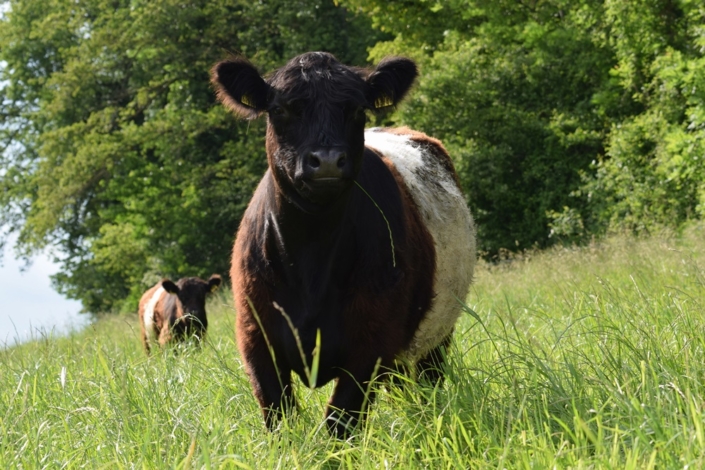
247,100
214,288
383,101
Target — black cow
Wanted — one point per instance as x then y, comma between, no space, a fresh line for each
361,237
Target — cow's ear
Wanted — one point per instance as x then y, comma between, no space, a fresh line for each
214,282
240,87
170,287
390,81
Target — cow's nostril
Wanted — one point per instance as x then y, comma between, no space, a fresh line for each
314,161
341,161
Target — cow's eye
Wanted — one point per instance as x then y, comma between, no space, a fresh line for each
277,111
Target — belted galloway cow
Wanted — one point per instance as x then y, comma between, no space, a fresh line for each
357,244
173,312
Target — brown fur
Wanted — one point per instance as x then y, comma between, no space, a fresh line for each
377,324
161,324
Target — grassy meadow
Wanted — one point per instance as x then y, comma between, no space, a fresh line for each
571,358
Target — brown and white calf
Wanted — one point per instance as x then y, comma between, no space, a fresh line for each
171,312
361,237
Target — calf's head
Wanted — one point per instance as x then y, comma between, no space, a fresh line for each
191,292
315,110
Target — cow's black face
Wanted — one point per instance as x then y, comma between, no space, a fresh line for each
191,292
316,122
315,145
316,116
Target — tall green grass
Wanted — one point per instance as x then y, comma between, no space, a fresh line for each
572,358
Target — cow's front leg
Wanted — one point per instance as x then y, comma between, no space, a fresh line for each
271,382
353,394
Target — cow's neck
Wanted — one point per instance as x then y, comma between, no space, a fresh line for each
314,248
297,231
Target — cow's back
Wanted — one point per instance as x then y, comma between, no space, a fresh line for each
430,177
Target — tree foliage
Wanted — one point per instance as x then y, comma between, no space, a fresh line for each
654,168
115,151
565,118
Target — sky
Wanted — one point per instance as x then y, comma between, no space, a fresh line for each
29,307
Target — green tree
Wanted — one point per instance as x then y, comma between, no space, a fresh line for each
565,118
113,148
509,88
653,172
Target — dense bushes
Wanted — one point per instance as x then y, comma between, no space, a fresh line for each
567,118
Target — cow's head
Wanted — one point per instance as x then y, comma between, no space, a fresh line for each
315,116
191,292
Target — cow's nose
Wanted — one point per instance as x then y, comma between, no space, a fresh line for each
326,163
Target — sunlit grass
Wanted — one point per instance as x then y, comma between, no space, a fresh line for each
580,358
